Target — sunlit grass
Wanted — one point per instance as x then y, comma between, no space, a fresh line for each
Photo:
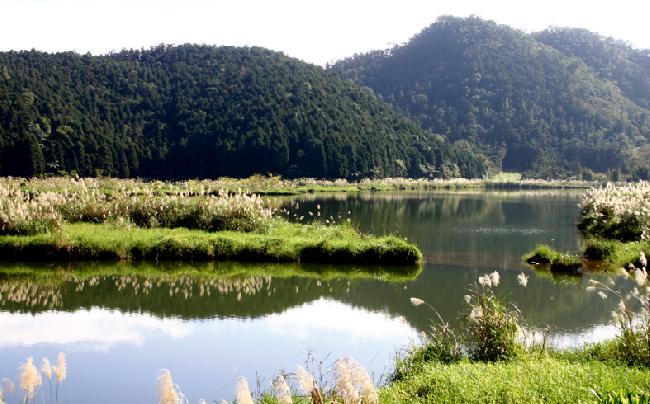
283,242
530,378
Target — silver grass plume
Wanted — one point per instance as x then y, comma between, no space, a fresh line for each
29,378
168,392
281,390
243,394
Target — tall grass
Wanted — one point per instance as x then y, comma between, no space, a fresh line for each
619,212
23,214
632,317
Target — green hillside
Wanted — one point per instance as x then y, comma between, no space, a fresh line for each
200,111
528,105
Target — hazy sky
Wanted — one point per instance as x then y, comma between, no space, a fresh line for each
315,31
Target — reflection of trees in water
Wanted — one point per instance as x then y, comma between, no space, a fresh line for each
563,303
206,290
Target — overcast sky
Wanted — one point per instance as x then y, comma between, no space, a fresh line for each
315,31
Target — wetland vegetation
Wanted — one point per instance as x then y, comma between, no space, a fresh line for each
485,340
85,223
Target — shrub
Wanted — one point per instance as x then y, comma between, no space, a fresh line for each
492,327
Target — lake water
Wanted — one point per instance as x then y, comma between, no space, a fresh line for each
210,323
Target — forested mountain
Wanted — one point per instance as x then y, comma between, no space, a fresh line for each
536,103
202,111
611,59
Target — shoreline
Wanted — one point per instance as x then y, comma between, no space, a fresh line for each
283,242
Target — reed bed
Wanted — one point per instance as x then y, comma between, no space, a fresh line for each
620,212
273,185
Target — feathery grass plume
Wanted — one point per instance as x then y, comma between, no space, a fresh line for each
61,369
362,380
6,387
46,368
416,302
522,279
29,378
640,277
281,390
307,385
344,387
494,277
485,280
243,394
168,392
602,294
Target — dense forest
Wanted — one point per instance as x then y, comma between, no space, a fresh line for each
201,111
557,103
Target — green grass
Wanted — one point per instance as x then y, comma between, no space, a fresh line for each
605,254
283,242
616,252
531,378
550,259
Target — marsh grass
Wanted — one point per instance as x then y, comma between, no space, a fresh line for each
618,212
529,378
547,257
284,242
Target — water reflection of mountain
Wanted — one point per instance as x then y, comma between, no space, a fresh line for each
247,291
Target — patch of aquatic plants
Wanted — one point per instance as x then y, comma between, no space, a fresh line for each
617,211
546,257
283,242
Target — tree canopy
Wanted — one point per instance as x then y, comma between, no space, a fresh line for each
544,103
202,111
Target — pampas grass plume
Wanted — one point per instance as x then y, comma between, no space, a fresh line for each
243,394
281,390
46,368
29,378
306,381
168,392
61,369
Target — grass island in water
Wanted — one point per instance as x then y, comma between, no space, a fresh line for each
85,222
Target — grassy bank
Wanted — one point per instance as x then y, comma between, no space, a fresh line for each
283,242
529,378
599,253
548,258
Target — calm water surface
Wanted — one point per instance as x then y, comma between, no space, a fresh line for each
210,323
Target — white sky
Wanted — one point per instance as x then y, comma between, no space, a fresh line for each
315,31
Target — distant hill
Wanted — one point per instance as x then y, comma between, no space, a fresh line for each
611,59
201,111
546,104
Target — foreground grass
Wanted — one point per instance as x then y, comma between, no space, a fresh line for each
283,242
531,378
